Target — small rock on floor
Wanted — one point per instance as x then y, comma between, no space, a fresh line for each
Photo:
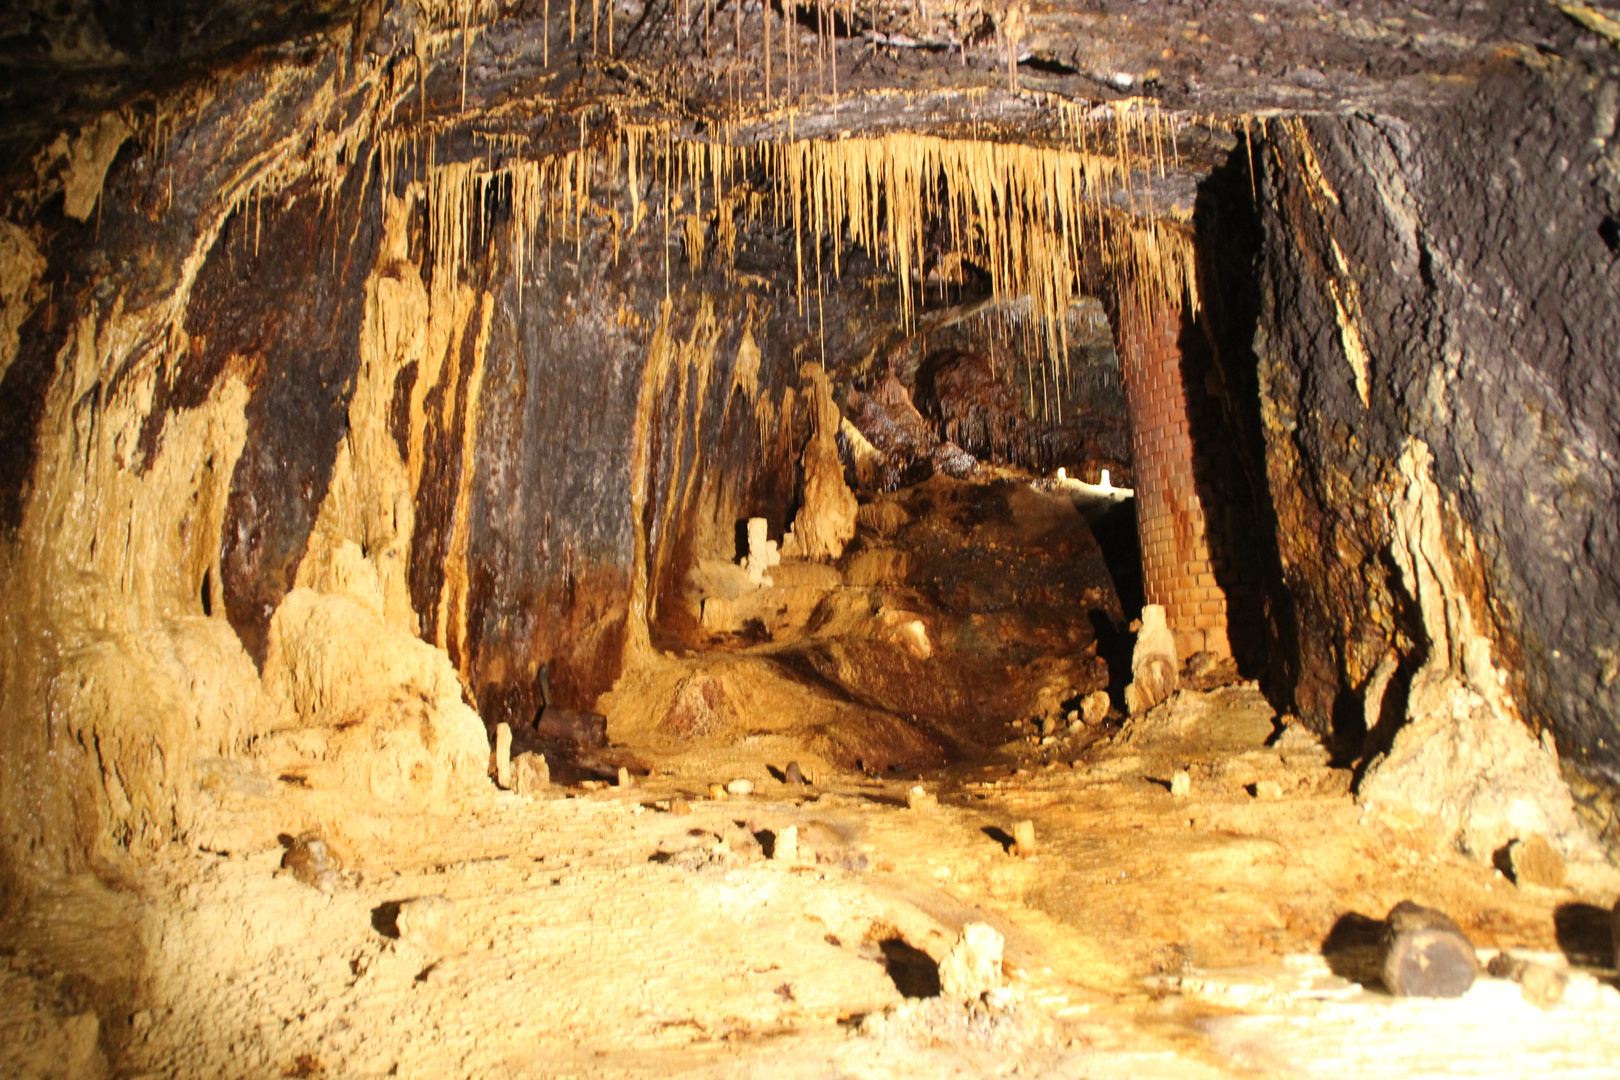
427,922
1542,986
919,799
531,774
1425,954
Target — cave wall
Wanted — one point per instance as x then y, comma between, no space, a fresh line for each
250,375
252,346
1441,287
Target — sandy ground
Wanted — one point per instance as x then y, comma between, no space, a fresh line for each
642,931
655,930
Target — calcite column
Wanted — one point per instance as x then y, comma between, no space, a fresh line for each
1171,522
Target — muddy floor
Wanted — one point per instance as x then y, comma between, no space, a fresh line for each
1196,903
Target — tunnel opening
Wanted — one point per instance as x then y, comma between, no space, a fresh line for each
923,555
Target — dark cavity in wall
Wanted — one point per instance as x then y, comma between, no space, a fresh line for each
1221,377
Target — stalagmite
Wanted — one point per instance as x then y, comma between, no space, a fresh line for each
762,553
1154,671
826,520
972,967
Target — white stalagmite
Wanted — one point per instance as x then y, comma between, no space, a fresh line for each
1154,665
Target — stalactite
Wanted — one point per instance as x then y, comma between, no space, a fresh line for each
1032,216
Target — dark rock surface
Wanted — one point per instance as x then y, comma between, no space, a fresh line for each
1475,240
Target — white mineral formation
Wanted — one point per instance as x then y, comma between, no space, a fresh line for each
762,553
1153,663
972,968
786,848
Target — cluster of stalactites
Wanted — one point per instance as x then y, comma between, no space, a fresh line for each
1039,220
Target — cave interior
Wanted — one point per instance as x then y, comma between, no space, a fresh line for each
829,538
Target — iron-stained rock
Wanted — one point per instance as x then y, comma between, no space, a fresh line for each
313,863
1535,862
1425,954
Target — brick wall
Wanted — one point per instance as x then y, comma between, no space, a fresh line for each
1172,520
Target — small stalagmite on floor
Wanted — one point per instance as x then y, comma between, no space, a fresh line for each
1153,663
972,968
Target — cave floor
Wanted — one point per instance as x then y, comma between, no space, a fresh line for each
643,931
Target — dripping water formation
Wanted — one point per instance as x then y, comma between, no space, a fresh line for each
837,538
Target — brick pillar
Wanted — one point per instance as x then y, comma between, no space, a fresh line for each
1177,570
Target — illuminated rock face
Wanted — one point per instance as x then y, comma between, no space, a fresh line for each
419,325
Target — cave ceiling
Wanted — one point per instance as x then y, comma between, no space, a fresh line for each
541,73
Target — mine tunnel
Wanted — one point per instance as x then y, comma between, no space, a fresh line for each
836,539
